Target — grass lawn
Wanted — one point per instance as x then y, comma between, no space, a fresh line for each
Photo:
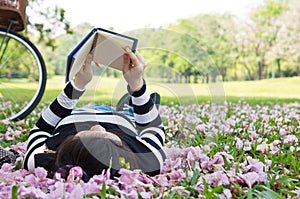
108,90
252,151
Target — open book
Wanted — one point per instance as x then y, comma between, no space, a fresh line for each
106,46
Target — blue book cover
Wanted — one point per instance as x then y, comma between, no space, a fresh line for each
106,46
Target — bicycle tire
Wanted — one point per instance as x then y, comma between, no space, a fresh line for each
21,58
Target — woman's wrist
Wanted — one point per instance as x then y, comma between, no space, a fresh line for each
136,85
138,91
76,86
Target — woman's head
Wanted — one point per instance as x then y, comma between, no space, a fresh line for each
95,150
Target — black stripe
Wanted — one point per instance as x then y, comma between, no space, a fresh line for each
156,135
71,92
66,130
59,110
145,108
30,152
35,138
151,142
44,126
139,92
73,128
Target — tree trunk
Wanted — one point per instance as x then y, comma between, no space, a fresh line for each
207,78
235,77
278,67
260,70
195,77
223,73
9,74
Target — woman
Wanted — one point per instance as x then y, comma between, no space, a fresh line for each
95,140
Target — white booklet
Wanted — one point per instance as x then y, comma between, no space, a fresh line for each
107,47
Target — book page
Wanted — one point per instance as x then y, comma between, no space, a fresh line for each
110,49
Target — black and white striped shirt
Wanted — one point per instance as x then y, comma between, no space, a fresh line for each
145,136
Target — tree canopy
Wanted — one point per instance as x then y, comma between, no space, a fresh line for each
206,47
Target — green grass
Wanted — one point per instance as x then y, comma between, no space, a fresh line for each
109,90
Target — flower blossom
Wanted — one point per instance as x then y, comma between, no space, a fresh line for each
217,178
250,178
75,173
290,139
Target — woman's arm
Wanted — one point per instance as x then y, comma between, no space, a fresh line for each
148,122
61,107
147,119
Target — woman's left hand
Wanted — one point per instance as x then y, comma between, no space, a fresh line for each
133,68
85,74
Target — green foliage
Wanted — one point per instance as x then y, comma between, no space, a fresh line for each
270,10
203,48
53,21
14,192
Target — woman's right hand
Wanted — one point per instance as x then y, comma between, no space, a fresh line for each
133,68
85,74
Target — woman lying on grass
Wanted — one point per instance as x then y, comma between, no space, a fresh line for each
98,140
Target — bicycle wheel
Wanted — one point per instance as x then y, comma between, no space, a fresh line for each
22,76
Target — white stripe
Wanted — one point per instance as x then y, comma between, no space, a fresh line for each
148,117
141,100
31,162
38,133
156,130
50,117
47,121
86,110
34,127
36,142
153,138
154,150
113,119
66,102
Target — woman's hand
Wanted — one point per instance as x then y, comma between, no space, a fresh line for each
133,68
85,74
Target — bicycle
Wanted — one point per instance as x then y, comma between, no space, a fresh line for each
23,72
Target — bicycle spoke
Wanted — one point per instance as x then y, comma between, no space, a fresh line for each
22,77
12,54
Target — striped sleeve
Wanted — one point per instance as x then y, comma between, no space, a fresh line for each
147,118
61,107
35,145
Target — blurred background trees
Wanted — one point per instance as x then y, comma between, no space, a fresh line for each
206,47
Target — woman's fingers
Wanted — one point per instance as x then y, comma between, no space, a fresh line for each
133,61
141,59
126,63
88,62
133,57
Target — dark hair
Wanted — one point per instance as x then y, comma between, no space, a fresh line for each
94,154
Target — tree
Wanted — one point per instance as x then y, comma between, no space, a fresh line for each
290,39
265,29
46,22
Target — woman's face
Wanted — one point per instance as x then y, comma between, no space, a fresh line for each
101,132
